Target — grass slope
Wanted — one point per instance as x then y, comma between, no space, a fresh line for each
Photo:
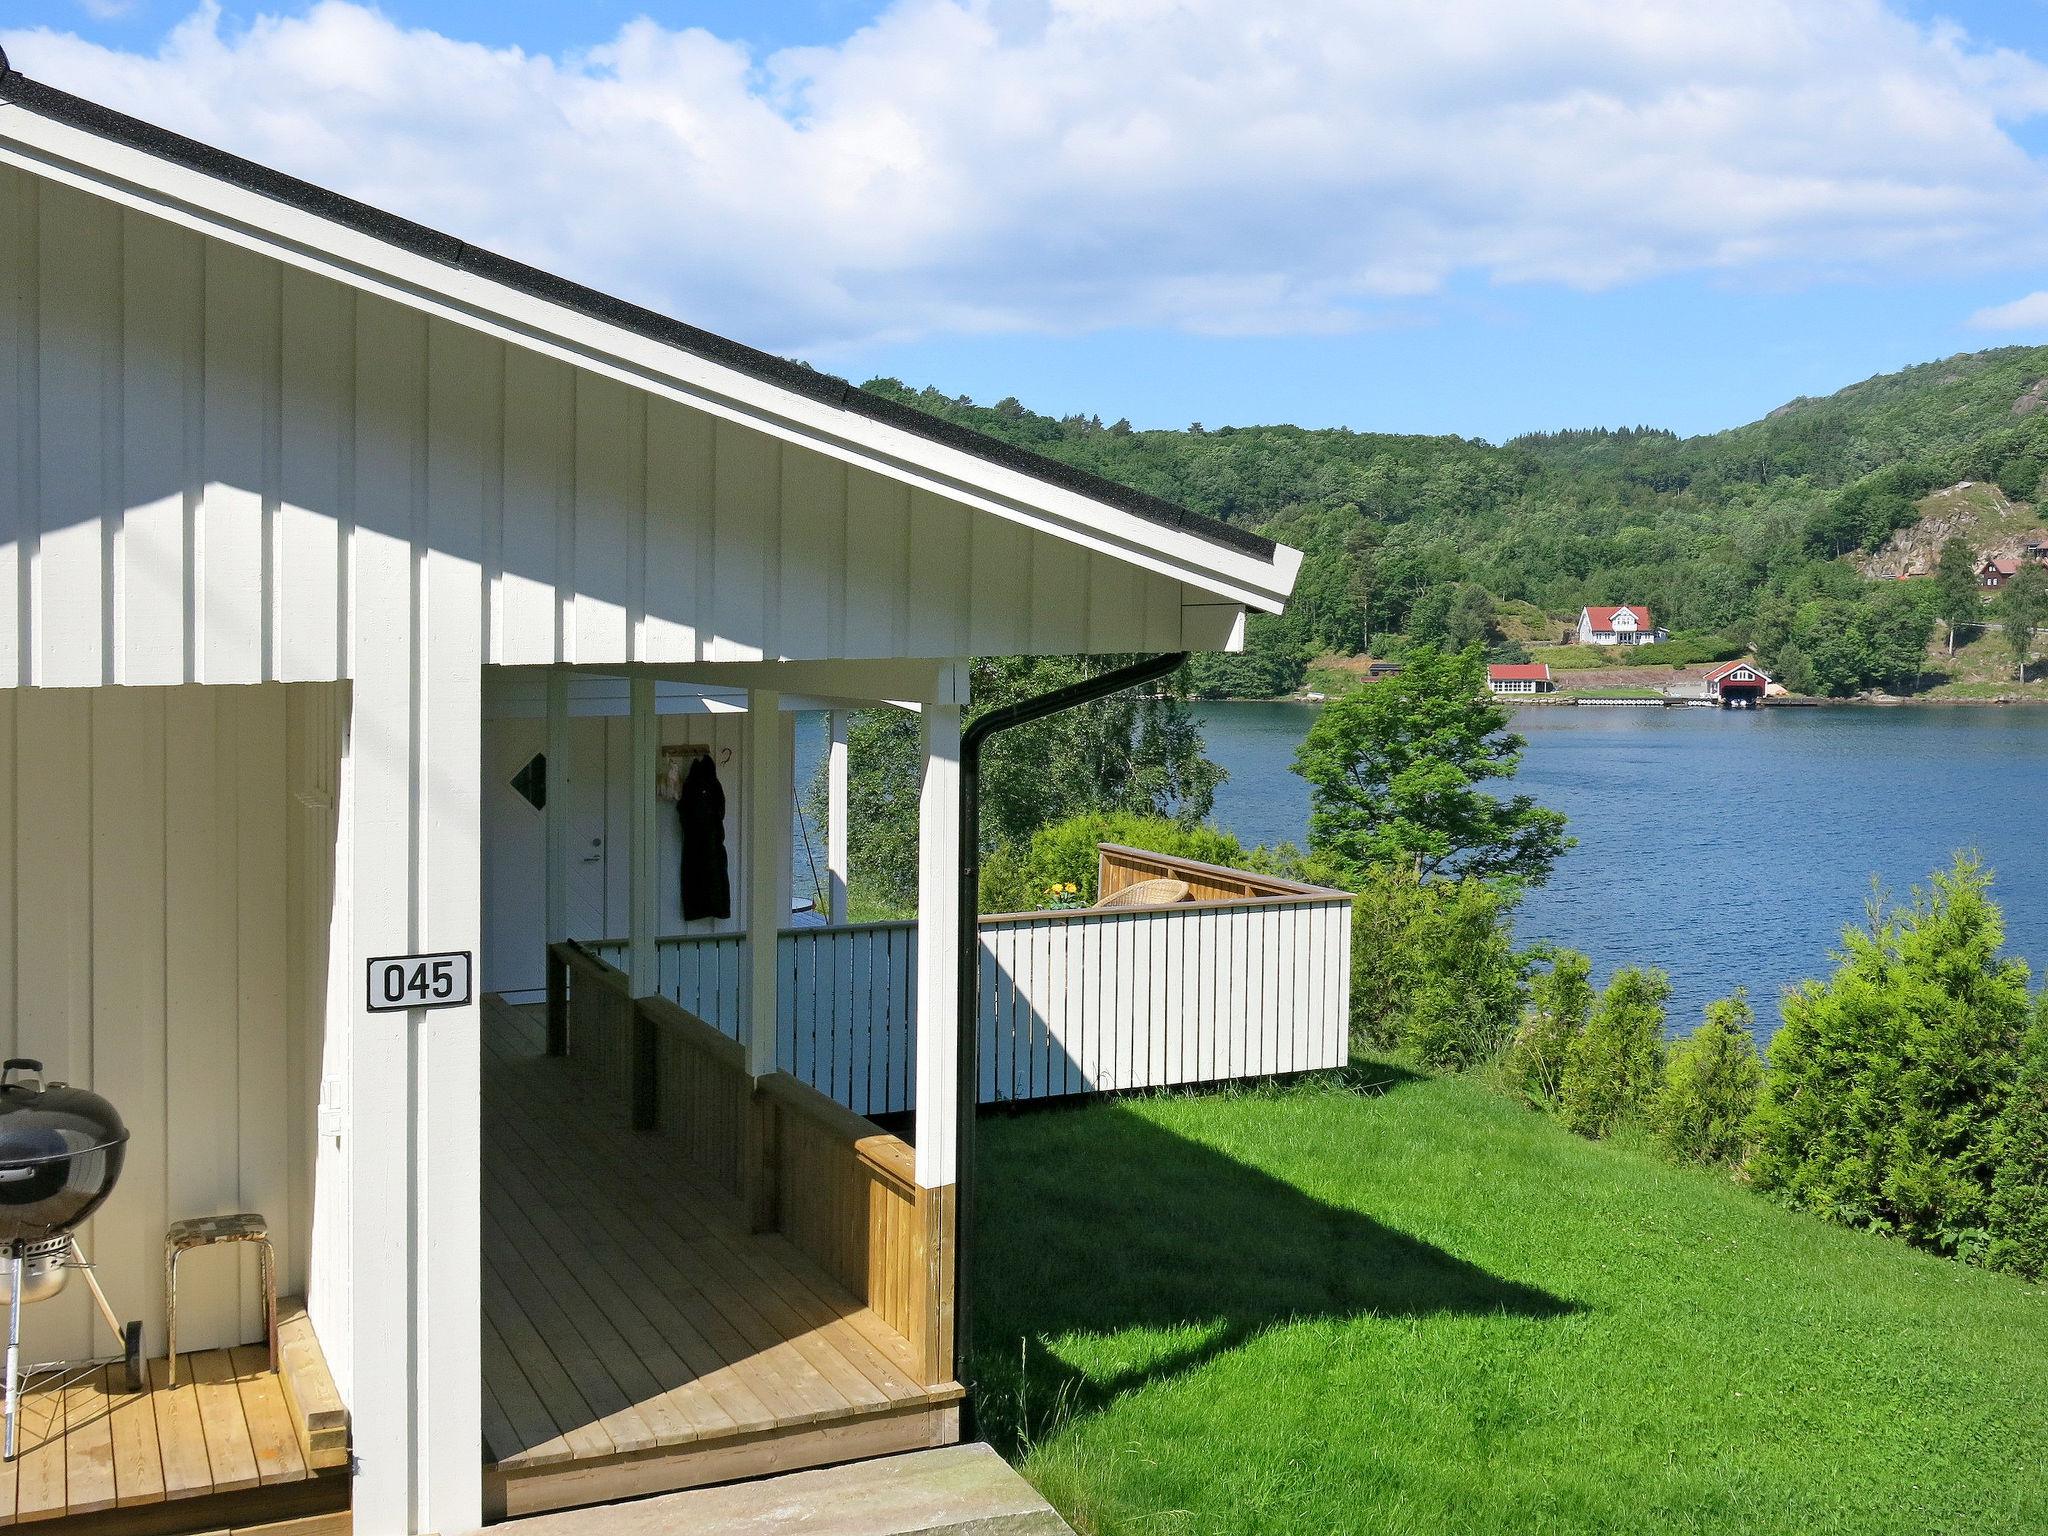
1425,1309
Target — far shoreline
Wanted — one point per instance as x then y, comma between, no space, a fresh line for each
1571,701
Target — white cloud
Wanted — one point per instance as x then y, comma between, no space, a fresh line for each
2024,314
106,10
985,165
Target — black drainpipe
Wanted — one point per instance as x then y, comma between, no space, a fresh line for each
969,957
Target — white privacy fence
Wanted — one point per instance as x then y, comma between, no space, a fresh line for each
1071,1002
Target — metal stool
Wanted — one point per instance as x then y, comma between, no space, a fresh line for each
204,1232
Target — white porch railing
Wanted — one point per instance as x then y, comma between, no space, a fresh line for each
1228,986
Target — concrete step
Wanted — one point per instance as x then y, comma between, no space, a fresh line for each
957,1490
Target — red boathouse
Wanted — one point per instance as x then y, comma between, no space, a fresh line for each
1737,684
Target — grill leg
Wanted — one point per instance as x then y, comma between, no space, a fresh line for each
13,1349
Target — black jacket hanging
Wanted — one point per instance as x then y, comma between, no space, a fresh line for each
707,888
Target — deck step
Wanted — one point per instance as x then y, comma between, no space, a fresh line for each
956,1490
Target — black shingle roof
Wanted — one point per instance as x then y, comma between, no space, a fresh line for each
61,106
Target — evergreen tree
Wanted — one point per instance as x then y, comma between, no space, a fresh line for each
1560,999
1882,1104
2019,1189
1433,969
1612,1066
1958,598
2023,608
1701,1112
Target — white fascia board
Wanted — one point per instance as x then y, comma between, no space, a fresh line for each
195,200
860,684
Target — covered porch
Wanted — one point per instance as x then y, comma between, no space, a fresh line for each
697,1267
646,1326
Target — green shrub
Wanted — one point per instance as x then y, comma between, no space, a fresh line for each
1433,969
1685,650
1469,988
1559,1000
1612,1065
1887,1082
2019,1189
1064,854
1701,1111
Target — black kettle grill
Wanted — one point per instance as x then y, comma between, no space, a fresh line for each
61,1150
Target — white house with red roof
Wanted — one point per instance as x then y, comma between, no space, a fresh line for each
1519,677
1626,625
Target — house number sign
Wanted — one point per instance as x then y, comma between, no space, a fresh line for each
419,981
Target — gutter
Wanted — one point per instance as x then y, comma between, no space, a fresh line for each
968,954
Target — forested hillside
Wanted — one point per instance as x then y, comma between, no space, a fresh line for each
1738,540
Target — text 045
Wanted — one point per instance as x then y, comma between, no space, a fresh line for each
419,981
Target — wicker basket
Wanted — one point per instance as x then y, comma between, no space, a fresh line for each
1163,892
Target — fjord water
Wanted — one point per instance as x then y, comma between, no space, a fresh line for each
1728,848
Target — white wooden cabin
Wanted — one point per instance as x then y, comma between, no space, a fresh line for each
285,483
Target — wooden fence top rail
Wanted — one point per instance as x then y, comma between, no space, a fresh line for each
581,954
890,1156
1297,896
1275,885
700,1036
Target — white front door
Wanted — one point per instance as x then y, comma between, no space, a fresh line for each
592,912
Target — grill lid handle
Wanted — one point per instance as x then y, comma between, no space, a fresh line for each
24,1064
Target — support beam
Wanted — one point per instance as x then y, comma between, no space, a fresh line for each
412,1140
859,682
555,827
643,841
939,848
766,847
836,865
557,814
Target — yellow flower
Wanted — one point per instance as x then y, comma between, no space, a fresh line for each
1071,887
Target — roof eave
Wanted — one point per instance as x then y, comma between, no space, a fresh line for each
135,163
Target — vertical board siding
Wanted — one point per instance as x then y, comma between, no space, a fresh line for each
20,456
162,919
195,432
78,297
1072,1002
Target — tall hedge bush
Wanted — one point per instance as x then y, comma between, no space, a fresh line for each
1611,1066
1702,1109
2019,1189
1560,998
1433,968
1888,1081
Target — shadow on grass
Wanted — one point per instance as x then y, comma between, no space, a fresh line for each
1374,1078
1098,1221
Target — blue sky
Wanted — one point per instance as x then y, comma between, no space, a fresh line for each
1435,222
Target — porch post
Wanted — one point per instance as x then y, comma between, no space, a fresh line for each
938,932
643,840
555,821
767,854
836,864
939,830
557,813
411,1139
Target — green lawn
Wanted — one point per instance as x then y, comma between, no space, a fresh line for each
1421,1308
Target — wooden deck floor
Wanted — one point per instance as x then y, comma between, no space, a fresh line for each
228,1449
637,1338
